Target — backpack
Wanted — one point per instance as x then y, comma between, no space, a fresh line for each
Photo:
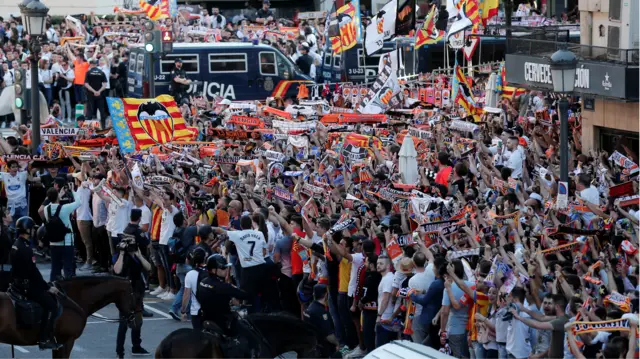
56,229
178,250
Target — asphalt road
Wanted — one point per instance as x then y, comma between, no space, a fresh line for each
99,338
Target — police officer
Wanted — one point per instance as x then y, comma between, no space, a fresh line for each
95,84
214,295
179,82
318,316
28,280
305,61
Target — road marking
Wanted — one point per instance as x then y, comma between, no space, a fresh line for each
21,349
76,347
99,315
158,311
145,319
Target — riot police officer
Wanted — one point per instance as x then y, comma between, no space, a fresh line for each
179,82
28,280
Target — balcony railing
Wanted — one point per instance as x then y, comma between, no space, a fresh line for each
533,47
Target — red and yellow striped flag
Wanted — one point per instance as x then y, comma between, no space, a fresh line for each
142,123
348,33
153,12
428,34
471,10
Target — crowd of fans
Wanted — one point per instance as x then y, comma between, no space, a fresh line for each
478,258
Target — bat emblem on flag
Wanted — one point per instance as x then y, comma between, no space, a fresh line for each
155,120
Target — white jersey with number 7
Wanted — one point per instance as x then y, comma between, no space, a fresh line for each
250,245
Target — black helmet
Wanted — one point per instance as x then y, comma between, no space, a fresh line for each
217,261
24,225
41,233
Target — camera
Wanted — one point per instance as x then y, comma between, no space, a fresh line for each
128,243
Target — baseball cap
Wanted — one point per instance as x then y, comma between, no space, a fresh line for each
177,59
266,2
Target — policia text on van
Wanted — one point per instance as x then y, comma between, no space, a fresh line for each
233,70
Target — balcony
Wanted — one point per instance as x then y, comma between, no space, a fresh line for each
545,48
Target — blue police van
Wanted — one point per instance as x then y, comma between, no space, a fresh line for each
237,71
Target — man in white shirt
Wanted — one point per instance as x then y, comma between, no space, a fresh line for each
62,252
197,259
15,187
515,158
385,307
518,333
587,193
170,209
85,219
420,282
252,249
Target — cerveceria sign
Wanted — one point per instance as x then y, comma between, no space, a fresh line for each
592,78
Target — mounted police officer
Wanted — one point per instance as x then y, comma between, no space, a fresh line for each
214,295
28,280
179,82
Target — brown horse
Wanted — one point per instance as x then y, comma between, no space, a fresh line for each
82,297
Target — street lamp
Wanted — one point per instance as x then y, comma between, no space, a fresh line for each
34,16
563,74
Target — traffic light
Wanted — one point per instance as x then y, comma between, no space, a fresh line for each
167,41
152,40
20,86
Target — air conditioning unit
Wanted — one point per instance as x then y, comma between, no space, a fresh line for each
624,14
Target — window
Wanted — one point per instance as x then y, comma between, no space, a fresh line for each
285,65
140,64
327,60
268,63
227,63
336,61
614,10
613,42
190,63
360,58
132,62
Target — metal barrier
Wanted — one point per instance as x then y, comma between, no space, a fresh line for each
627,57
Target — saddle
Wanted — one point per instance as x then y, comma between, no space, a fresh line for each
28,312
236,346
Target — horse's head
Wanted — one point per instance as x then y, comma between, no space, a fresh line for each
92,293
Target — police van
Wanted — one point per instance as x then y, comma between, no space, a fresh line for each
237,71
353,65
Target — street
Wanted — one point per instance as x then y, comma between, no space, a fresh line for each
99,338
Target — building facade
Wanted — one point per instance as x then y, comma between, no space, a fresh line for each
606,76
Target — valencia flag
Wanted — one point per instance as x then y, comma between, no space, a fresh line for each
142,123
346,18
154,12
